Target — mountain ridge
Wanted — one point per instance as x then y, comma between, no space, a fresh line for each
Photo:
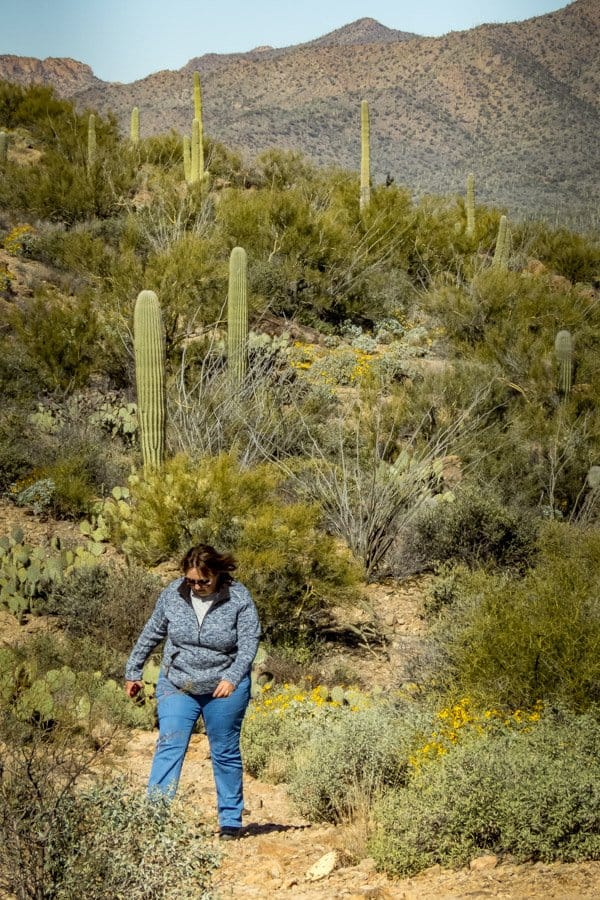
516,103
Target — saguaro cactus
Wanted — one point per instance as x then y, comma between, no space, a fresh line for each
502,251
91,147
470,205
197,171
134,132
563,349
237,317
197,97
187,158
3,146
149,349
365,156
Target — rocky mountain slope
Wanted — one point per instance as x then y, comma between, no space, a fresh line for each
516,103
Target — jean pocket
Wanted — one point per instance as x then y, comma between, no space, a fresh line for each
164,688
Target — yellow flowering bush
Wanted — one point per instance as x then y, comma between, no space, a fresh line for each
527,791
281,718
465,719
17,239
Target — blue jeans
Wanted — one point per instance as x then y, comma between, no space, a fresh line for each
178,713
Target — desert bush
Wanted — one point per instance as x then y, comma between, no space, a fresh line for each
515,640
265,418
294,569
59,338
530,794
278,721
16,457
347,763
475,528
371,477
107,603
65,832
572,255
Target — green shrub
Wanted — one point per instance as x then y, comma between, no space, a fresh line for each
345,764
476,528
108,603
575,256
59,338
532,795
66,834
278,722
293,568
512,641
15,447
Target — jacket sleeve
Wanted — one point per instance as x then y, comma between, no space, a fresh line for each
248,636
153,632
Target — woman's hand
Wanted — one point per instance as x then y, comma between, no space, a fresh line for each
132,688
223,689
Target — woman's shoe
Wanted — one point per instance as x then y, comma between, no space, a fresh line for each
229,833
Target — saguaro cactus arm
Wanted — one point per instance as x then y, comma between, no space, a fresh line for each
149,349
187,158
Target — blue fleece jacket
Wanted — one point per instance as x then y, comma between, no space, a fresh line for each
196,658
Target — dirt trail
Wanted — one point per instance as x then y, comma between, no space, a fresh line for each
275,856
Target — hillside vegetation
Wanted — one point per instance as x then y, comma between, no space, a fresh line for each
355,387
515,103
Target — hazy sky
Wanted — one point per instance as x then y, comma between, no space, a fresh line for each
123,40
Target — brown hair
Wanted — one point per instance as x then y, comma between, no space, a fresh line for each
204,557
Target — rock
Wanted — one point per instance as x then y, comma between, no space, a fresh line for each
323,866
481,863
367,864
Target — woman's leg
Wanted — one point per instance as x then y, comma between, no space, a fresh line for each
177,715
223,721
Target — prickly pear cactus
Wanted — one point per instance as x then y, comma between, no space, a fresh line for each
365,156
28,573
149,349
237,317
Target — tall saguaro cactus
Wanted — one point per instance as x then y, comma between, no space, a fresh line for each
197,97
197,170
149,350
134,131
563,349
197,167
91,144
470,205
3,146
365,156
237,317
502,251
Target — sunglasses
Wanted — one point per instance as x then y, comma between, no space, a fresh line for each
190,582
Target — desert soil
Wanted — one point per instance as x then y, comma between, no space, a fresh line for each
282,855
